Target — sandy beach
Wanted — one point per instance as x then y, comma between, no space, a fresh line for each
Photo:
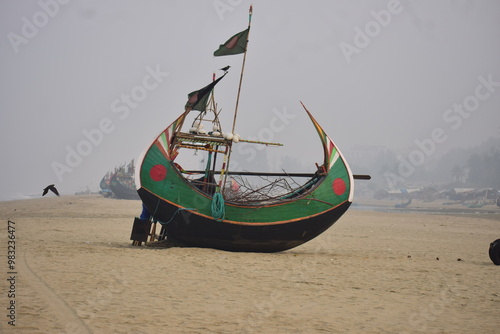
75,271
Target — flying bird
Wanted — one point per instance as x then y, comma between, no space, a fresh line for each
51,188
225,68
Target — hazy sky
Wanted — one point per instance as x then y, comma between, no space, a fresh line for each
103,78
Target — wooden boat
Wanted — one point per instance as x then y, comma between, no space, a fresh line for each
105,185
122,187
403,205
198,210
122,182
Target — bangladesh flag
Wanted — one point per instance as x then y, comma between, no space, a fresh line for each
235,45
198,99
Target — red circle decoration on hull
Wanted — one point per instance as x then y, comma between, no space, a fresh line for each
158,172
338,186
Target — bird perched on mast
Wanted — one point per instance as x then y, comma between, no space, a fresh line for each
225,68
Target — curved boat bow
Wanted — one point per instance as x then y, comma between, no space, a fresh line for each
185,210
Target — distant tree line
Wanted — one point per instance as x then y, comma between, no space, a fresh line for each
460,167
475,167
484,169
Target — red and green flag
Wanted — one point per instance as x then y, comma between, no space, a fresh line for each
235,45
198,99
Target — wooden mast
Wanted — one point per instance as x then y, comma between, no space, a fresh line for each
224,177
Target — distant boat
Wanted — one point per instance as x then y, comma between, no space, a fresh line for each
403,205
270,215
105,185
477,204
122,183
121,186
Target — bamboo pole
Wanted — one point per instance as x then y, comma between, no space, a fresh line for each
242,69
250,13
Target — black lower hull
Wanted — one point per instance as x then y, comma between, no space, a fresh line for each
121,191
199,231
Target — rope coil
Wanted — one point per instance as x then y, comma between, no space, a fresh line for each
218,211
